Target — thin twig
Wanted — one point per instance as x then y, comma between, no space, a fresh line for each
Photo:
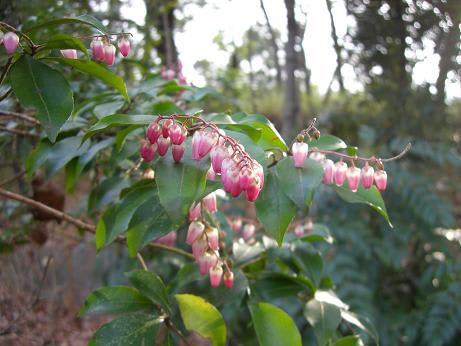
13,178
18,132
6,94
143,263
31,43
6,68
21,116
80,223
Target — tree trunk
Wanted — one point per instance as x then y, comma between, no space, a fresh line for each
275,48
291,102
337,47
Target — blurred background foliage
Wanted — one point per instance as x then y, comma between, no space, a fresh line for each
405,279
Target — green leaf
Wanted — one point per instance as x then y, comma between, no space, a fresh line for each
274,327
273,208
151,286
351,340
324,318
180,184
115,300
319,233
299,183
150,221
202,317
274,285
39,86
118,120
309,261
361,322
270,137
250,131
328,142
63,41
84,19
98,71
130,330
370,196
106,192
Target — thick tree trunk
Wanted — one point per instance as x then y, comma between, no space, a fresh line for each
275,47
291,102
337,47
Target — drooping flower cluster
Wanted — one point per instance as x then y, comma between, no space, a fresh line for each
10,40
175,71
159,136
102,49
338,172
204,240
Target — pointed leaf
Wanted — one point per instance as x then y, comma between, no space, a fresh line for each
63,41
84,19
324,318
351,340
327,142
39,86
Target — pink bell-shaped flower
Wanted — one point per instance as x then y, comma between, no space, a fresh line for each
248,231
209,203
69,53
202,142
340,172
206,262
147,151
216,275
194,211
97,49
259,171
246,177
217,155
124,46
299,231
11,42
212,235
229,279
177,133
194,232
199,247
211,174
153,132
317,156
166,127
109,54
168,240
381,180
367,176
353,178
328,171
177,151
163,144
299,151
252,192
236,224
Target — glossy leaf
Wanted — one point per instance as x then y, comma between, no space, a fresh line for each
98,71
63,41
151,286
115,300
114,120
130,330
106,192
362,323
84,19
324,318
327,142
274,327
299,183
270,137
371,197
273,208
351,340
202,317
40,87
309,261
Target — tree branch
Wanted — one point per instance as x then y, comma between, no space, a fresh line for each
21,116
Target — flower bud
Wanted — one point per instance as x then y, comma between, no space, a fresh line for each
97,49
147,151
177,151
69,53
217,155
177,133
299,151
109,54
340,172
168,240
212,235
248,231
202,142
124,46
259,171
229,279
194,232
353,178
317,156
381,180
210,175
216,275
209,202
199,247
367,176
163,144
166,127
194,211
252,192
153,132
328,171
246,177
299,231
11,42
236,224
206,262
